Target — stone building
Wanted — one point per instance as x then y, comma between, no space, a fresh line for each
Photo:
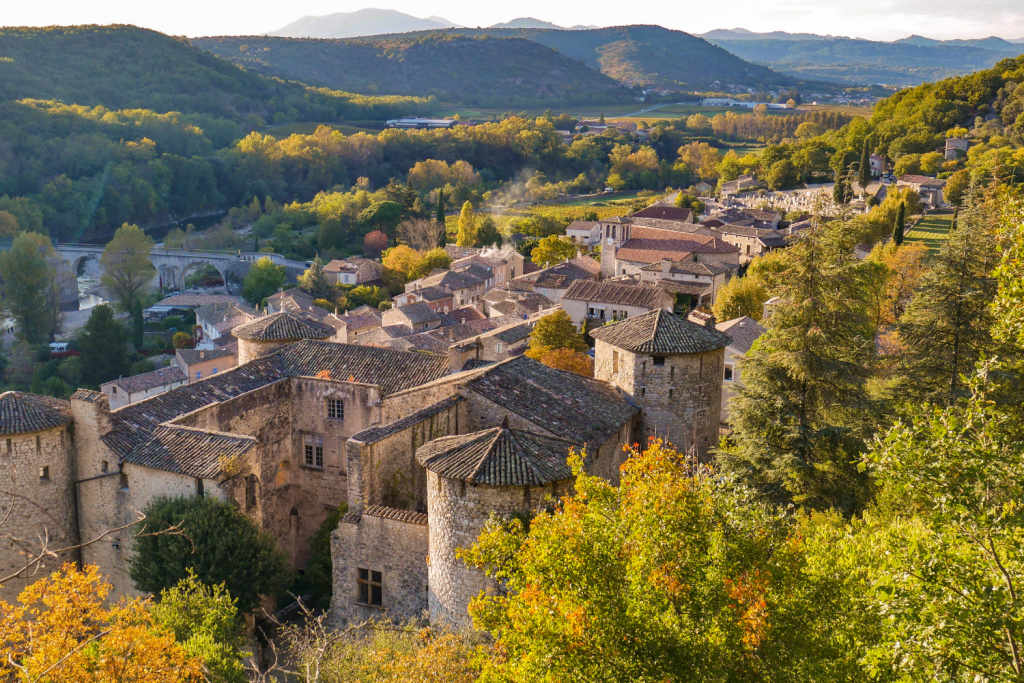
670,367
37,487
271,332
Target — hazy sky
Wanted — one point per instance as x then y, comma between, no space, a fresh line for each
874,19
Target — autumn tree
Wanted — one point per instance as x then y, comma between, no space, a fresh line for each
738,297
316,282
553,250
568,360
903,267
217,543
28,281
374,243
365,295
62,630
384,216
467,226
126,266
1009,301
555,331
263,279
421,234
401,264
435,258
668,577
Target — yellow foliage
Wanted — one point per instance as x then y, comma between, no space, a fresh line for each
61,632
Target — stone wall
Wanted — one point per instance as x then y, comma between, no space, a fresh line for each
382,461
36,504
458,512
377,541
250,350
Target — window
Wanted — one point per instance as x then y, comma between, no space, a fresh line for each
370,589
314,450
728,373
199,373
335,409
44,473
659,360
113,390
104,466
499,348
215,371
615,361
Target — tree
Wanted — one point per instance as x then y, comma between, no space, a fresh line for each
600,119
740,296
1009,302
9,226
467,227
205,621
898,225
552,250
948,326
443,236
62,630
316,282
331,235
956,185
568,360
668,577
138,328
782,175
803,412
555,331
182,340
904,267
126,266
384,216
29,282
421,234
320,569
401,264
20,368
102,345
864,172
374,243
364,295
217,543
487,234
263,279
435,258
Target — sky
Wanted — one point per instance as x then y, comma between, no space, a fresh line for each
871,19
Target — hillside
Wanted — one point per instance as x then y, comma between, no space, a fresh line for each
651,55
124,67
484,71
365,22
910,61
530,22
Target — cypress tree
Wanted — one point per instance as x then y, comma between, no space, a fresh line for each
952,221
865,166
255,242
137,329
442,239
897,228
601,118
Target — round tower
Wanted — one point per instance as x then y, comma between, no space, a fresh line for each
269,333
500,471
37,494
670,367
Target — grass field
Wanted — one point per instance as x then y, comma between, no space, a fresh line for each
281,132
932,231
743,150
866,112
601,200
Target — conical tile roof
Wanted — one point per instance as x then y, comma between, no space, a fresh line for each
283,326
21,413
499,457
659,331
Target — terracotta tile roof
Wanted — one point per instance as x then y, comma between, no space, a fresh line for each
150,380
189,451
576,408
413,314
193,356
22,413
743,331
499,457
586,263
665,213
398,515
588,226
225,317
283,326
349,265
379,433
660,332
455,253
678,287
466,313
88,396
645,296
689,267
195,300
391,370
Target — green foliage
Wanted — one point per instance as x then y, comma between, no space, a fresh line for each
899,225
467,226
217,543
487,234
740,296
553,250
205,621
263,279
138,325
319,569
102,343
1010,275
316,282
28,273
126,266
555,331
365,296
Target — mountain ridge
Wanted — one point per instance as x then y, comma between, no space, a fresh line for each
365,22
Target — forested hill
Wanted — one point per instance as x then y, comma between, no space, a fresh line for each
484,71
647,54
125,67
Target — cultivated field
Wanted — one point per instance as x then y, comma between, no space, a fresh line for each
932,231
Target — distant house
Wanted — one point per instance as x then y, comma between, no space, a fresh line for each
601,302
585,233
200,363
741,184
355,324
354,271
552,282
930,189
660,212
218,319
180,303
416,317
703,189
751,241
877,165
743,331
413,123
693,284
126,390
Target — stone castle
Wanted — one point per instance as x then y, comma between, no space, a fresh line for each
421,455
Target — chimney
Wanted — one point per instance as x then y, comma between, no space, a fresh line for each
579,252
666,265
701,318
202,355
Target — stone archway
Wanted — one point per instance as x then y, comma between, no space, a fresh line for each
194,265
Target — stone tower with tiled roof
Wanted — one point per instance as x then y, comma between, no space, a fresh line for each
269,333
37,476
672,369
501,471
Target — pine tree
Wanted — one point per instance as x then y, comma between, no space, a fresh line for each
803,412
601,119
102,345
255,242
947,327
138,336
898,226
952,221
316,282
467,227
865,167
442,238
